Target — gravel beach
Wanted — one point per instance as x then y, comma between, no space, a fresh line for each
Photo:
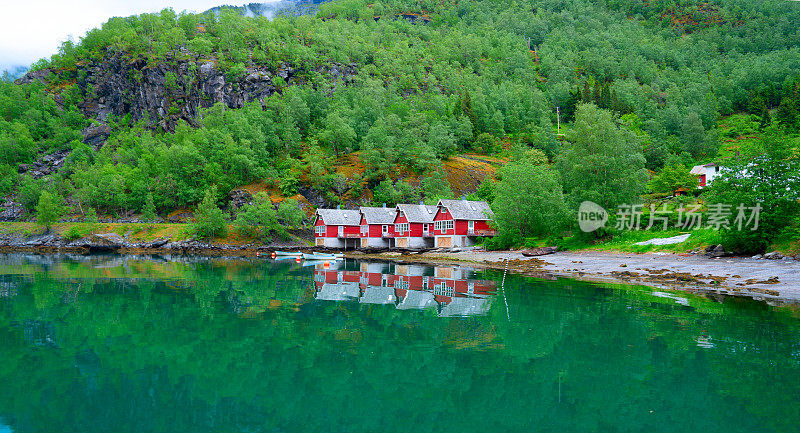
756,278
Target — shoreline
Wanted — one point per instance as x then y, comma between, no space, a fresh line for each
759,279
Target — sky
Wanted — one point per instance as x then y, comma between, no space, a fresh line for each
32,29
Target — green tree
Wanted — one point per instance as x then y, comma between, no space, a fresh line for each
210,219
695,139
289,213
393,193
149,210
49,209
435,186
768,180
672,178
260,218
338,134
529,201
601,162
441,140
487,143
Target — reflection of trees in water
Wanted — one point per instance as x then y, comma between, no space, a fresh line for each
39,333
166,354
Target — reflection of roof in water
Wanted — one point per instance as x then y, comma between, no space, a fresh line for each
417,299
466,307
339,292
378,295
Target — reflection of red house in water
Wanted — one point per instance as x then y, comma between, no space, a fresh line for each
408,287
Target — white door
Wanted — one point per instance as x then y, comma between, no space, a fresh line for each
341,231
385,229
472,227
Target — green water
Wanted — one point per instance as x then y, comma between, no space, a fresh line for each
112,344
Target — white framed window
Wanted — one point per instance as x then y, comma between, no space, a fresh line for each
401,228
320,230
443,290
364,229
443,225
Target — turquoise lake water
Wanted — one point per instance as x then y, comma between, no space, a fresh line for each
126,344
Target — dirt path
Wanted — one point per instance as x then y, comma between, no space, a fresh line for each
760,279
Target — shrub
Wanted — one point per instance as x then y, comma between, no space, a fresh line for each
210,218
48,210
486,143
288,185
289,213
149,210
260,218
76,232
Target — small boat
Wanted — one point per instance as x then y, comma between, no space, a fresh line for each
336,256
315,262
288,253
319,256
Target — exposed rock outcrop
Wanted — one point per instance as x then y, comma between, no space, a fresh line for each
96,135
46,165
176,88
238,199
11,210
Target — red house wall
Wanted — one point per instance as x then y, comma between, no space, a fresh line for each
353,230
441,216
333,231
320,222
461,227
483,225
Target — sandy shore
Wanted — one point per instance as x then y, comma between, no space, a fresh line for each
759,279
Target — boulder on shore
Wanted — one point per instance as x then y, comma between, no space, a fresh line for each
718,251
541,251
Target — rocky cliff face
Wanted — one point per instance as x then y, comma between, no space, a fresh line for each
270,9
177,88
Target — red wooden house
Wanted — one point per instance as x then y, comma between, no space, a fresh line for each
459,222
413,226
337,228
377,226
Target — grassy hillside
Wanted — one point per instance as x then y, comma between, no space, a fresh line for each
398,101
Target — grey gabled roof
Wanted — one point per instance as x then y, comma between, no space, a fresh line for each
417,300
340,217
338,292
378,295
378,215
466,307
418,213
468,209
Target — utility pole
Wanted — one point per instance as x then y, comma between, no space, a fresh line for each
558,121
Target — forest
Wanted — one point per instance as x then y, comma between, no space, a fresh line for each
603,100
